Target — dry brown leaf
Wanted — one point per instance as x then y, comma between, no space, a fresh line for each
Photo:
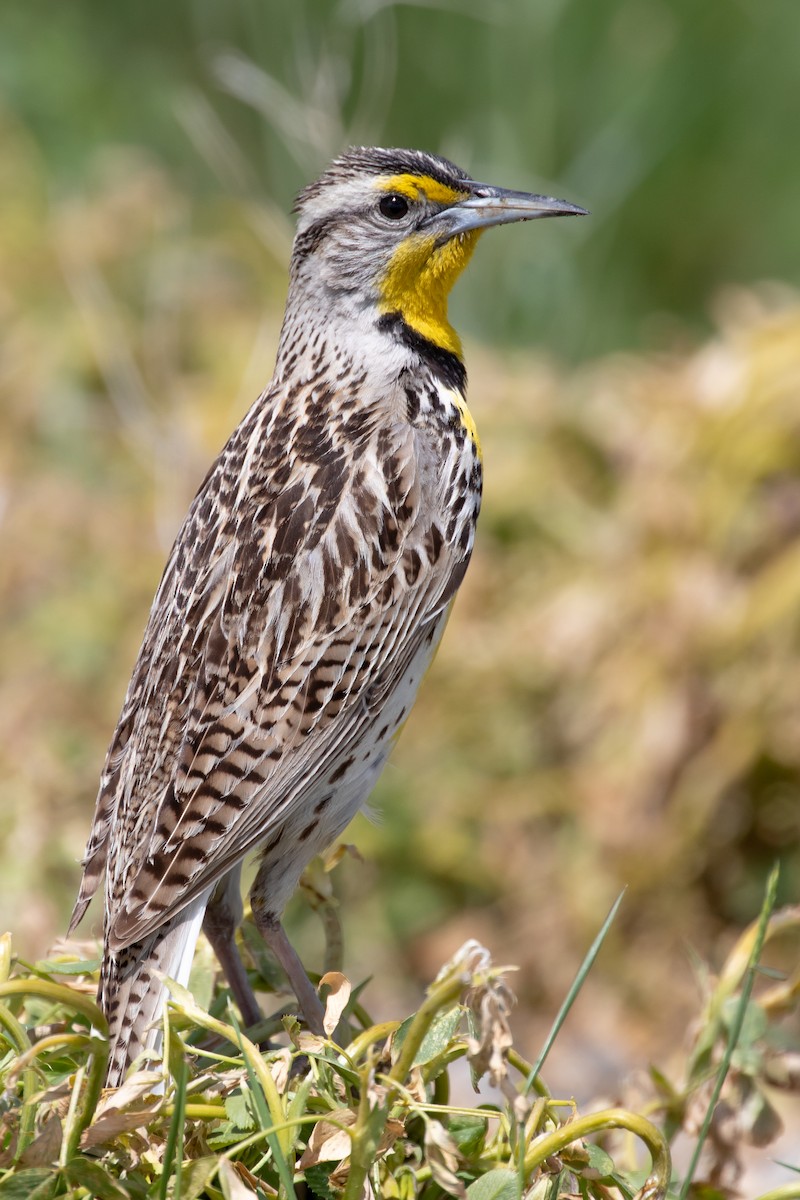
330,1140
490,1003
44,1148
113,1124
141,1083
233,1186
58,1094
255,1183
338,1178
441,1155
376,1092
114,1114
336,1002
415,1086
280,1067
309,1043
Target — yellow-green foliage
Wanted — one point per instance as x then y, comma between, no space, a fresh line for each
368,1109
366,1104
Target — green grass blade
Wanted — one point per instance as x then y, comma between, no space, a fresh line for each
770,897
59,994
572,994
173,1151
268,1108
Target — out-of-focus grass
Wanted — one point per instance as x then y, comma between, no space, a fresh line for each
671,120
616,700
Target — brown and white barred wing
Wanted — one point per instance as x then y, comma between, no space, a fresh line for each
331,583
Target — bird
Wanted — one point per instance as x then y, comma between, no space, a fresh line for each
305,594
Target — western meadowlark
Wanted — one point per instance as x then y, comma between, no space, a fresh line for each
306,592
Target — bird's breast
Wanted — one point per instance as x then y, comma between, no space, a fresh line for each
450,457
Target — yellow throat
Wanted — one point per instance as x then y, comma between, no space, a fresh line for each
420,274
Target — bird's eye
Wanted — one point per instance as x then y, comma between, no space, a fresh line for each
393,206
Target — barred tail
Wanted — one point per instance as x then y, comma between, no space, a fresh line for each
132,995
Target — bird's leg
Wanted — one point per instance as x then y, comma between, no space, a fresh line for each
274,935
222,918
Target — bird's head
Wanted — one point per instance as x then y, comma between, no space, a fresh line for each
391,230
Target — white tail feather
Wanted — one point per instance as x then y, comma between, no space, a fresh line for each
132,991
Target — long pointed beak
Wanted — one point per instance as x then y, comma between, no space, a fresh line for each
499,206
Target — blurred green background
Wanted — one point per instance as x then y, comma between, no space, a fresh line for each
617,700
672,120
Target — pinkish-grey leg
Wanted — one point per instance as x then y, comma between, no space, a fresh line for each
274,935
222,918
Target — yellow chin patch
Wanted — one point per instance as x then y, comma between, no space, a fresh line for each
418,280
420,274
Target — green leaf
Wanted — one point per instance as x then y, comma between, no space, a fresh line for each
317,1177
436,1040
201,976
599,1161
545,1188
661,1082
298,1106
85,967
36,1183
86,1173
468,1133
263,961
754,1022
197,1175
239,1110
498,1184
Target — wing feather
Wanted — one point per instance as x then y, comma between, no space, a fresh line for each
287,611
